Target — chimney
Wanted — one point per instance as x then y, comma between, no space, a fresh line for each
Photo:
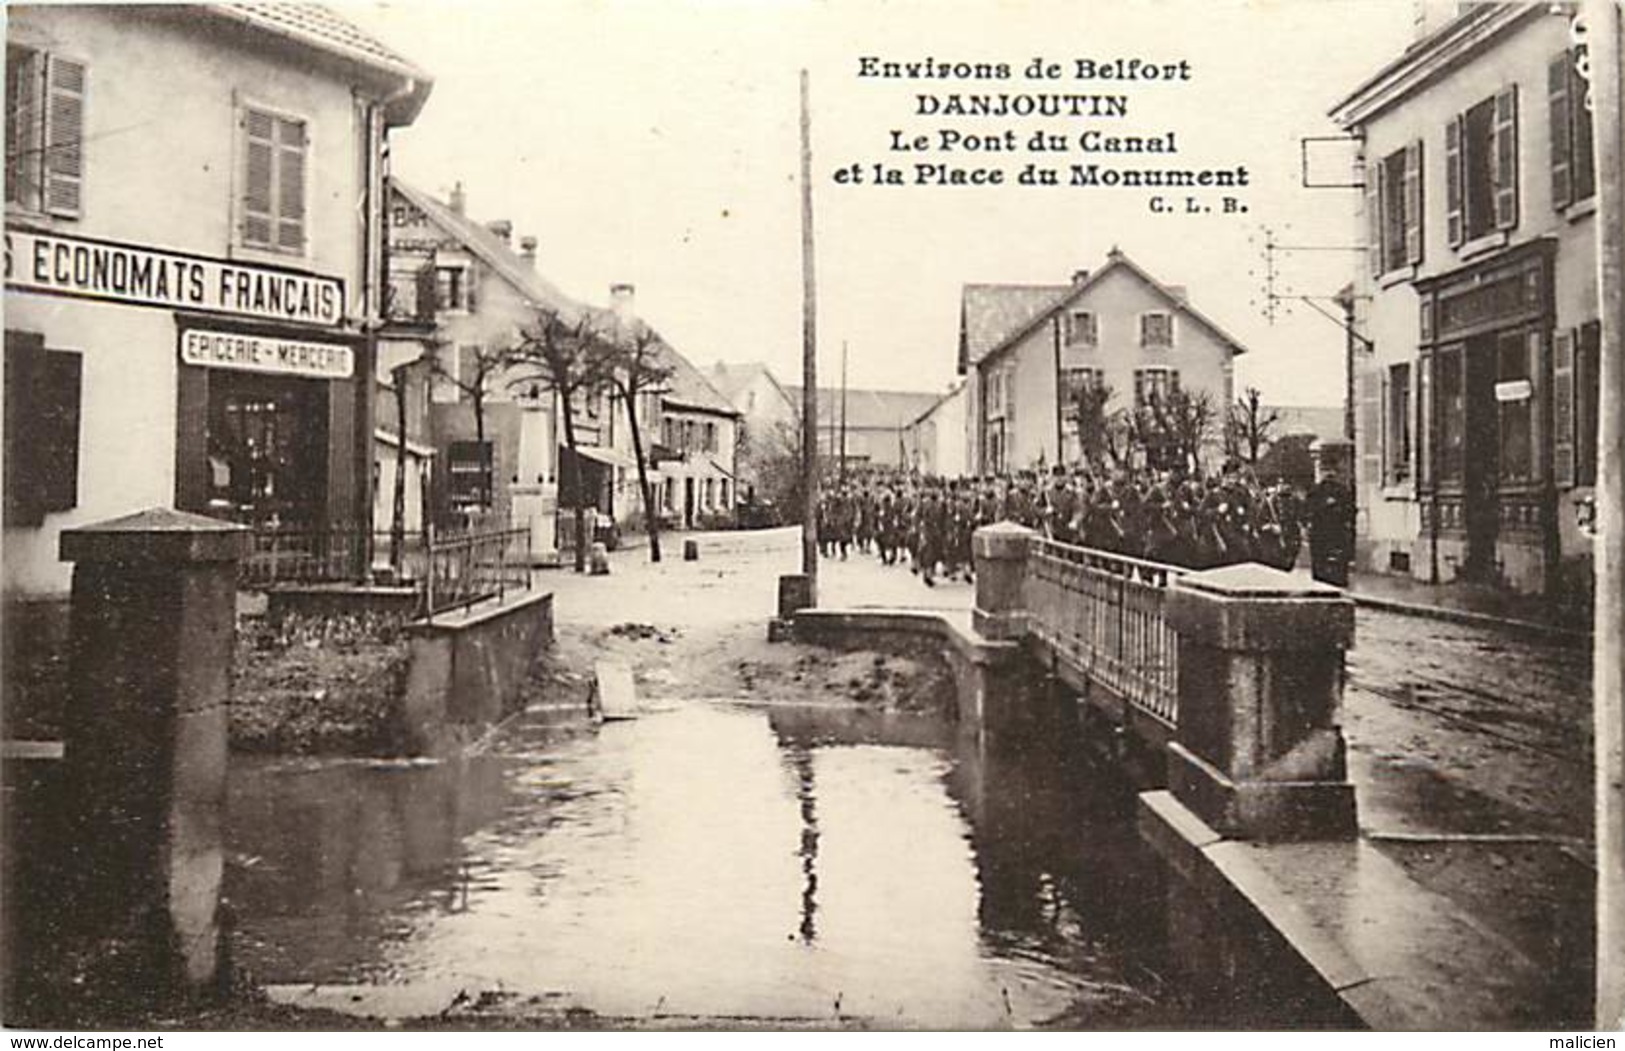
1079,276
620,301
527,251
503,228
458,201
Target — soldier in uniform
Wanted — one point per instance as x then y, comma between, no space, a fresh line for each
1331,529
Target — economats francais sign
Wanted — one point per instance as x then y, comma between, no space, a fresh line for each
38,261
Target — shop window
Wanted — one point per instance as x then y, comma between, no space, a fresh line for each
469,467
45,109
274,166
1481,168
1587,386
1157,329
1574,174
1082,328
42,400
1394,204
1397,409
1451,402
1514,399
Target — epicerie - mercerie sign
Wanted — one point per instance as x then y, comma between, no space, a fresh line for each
105,270
285,357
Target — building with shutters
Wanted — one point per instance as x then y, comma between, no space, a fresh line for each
1477,403
1030,351
193,197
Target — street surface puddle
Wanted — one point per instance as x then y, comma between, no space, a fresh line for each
722,861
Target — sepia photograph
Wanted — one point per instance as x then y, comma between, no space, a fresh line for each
813,516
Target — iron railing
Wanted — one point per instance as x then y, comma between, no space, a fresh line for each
1103,614
468,568
333,554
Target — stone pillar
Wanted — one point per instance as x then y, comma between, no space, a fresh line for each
1259,753
999,553
153,625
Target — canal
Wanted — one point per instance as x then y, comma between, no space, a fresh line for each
822,865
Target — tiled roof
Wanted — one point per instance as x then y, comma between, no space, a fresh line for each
689,388
989,313
320,26
870,409
496,254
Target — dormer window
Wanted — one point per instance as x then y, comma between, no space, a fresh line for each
1157,329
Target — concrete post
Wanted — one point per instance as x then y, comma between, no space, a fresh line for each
153,623
1259,754
1000,556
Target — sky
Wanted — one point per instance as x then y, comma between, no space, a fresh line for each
657,143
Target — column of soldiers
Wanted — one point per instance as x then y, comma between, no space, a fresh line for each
1197,521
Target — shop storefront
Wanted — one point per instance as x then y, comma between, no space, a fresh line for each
1485,488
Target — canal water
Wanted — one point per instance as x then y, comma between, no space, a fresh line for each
720,860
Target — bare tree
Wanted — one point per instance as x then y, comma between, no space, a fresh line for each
1251,426
476,370
571,359
639,366
1095,423
1172,426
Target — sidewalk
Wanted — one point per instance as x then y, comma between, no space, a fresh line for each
1469,603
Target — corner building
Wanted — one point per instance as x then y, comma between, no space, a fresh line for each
1477,425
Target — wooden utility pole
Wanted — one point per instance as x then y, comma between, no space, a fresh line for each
1603,46
843,410
809,362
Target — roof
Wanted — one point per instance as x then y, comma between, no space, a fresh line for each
1117,260
731,380
495,253
988,313
687,387
870,409
1456,41
953,392
320,27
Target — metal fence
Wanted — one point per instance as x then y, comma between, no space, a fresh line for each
335,554
467,568
1103,614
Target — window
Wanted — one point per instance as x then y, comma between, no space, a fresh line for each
1397,425
45,110
1394,205
1451,413
1153,385
1079,382
42,393
727,504
274,157
1481,168
1574,176
1082,328
451,288
1514,398
1157,329
710,437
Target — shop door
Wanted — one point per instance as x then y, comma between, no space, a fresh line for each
1481,450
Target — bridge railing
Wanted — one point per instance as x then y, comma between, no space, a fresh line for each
1105,615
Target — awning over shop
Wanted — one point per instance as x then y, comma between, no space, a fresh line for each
608,457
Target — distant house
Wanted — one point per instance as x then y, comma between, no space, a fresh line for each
1029,351
874,424
934,444
768,421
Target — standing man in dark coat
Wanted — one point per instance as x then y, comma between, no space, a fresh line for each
1331,529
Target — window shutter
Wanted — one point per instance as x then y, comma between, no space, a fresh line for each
1413,203
1423,443
1139,388
470,287
1563,408
1010,399
290,185
1506,158
1384,425
1557,95
24,363
1072,334
259,130
58,430
64,136
24,122
1455,228
425,291
1373,217
1535,364
1368,434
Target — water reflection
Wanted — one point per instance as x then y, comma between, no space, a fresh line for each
710,860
